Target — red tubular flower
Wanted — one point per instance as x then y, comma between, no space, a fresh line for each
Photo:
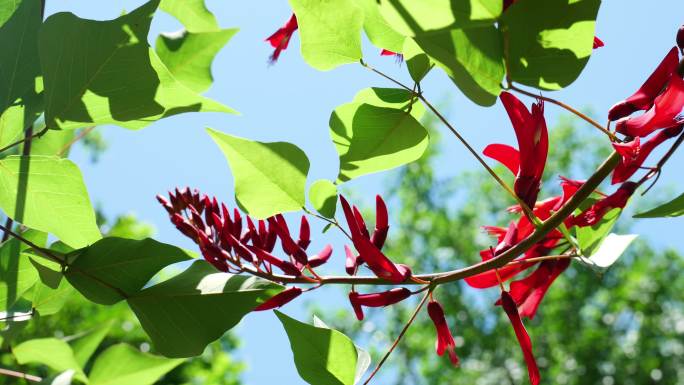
533,142
445,341
287,267
680,38
633,154
511,310
281,38
665,112
382,266
381,299
381,223
398,57
646,94
598,43
596,212
351,261
290,247
280,299
322,257
529,291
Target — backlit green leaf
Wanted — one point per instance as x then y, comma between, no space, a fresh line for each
17,275
610,249
673,208
192,13
591,237
123,364
415,18
51,352
372,137
124,264
187,312
322,356
323,197
98,72
270,178
379,32
330,31
473,59
188,55
549,41
85,345
48,194
418,62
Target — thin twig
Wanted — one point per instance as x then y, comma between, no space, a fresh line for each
78,137
655,171
399,337
25,139
332,222
15,374
567,107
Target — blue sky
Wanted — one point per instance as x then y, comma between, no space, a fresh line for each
291,101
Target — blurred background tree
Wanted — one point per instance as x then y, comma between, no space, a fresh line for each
623,327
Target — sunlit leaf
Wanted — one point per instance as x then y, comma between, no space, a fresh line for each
330,31
610,249
185,313
673,208
85,345
270,178
473,59
192,13
51,352
98,72
363,360
549,41
188,55
417,61
415,18
590,237
370,138
112,267
379,32
17,275
123,364
322,356
323,197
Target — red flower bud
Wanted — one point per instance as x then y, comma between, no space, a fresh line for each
680,38
304,234
280,299
185,227
521,334
281,38
595,213
445,341
598,43
350,264
381,223
322,257
287,267
166,204
381,299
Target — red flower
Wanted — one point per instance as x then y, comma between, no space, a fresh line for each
281,38
369,253
445,341
511,310
598,43
646,94
528,162
596,212
633,154
280,299
529,291
381,299
397,56
680,38
322,257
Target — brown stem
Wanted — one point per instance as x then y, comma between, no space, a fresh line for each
15,374
400,336
78,137
655,171
567,107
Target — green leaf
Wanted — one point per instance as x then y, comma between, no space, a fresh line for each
330,32
19,62
397,98
379,32
473,59
20,115
363,359
48,271
51,352
418,62
185,313
323,197
100,72
415,18
123,364
53,143
17,275
188,55
47,301
590,237
610,249
371,138
549,41
192,13
85,345
124,264
673,208
48,194
270,178
322,356
63,378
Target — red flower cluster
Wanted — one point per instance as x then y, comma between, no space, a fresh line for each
228,246
445,341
